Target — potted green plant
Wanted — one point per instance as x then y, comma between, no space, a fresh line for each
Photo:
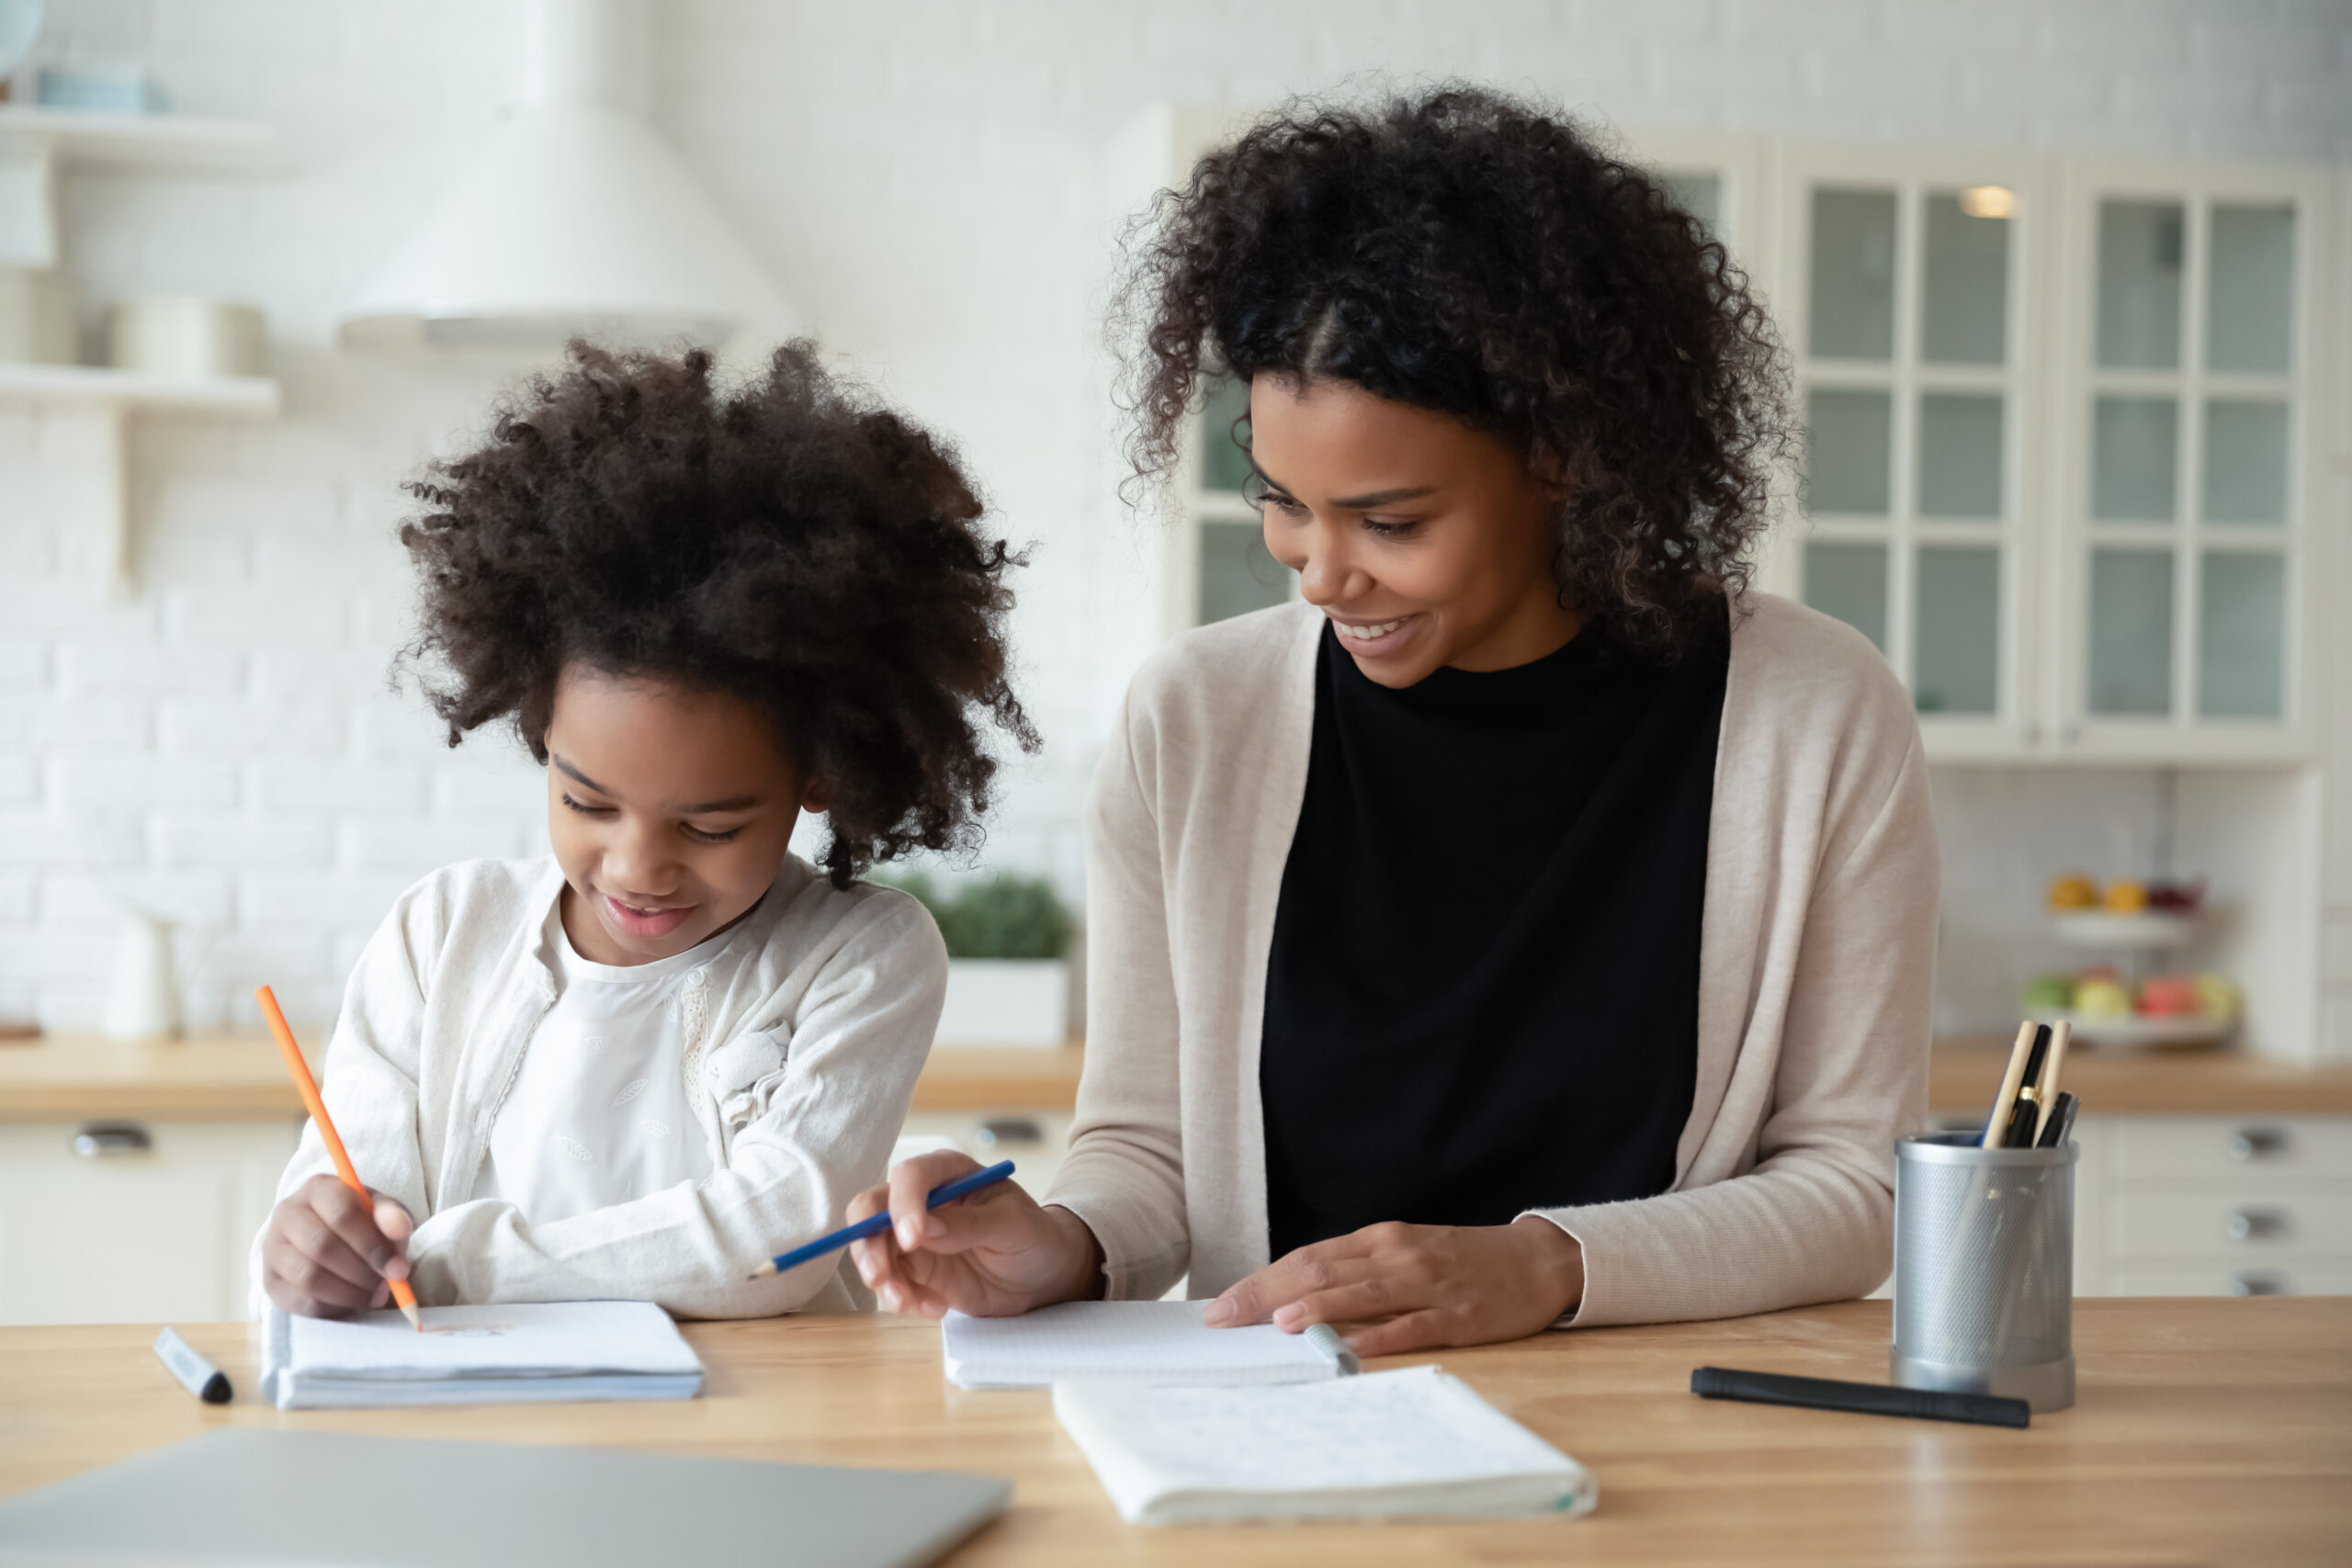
1008,974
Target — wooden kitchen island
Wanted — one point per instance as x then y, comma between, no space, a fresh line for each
2206,1432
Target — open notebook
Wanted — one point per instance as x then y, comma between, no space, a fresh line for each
1382,1445
479,1355
1162,1342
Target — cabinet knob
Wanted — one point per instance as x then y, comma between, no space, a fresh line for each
2254,1225
2259,1143
999,1130
113,1140
2250,1283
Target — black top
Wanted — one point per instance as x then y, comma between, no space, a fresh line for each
1483,992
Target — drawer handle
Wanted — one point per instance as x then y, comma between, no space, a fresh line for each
2259,1143
2254,1225
113,1140
2253,1284
999,1130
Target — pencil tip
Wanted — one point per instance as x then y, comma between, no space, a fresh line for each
415,1318
764,1270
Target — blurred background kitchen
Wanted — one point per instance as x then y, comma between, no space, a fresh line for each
2064,284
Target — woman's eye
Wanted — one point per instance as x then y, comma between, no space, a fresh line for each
1387,530
587,811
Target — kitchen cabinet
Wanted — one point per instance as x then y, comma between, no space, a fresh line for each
125,1220
2061,443
2213,1205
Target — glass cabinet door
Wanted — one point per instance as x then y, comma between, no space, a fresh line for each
1225,570
1910,388
2187,539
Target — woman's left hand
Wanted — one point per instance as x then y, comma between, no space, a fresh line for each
1411,1287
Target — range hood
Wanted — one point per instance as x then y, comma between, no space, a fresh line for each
574,217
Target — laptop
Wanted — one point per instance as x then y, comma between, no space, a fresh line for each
270,1497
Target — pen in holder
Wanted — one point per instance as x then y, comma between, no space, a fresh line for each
1983,1268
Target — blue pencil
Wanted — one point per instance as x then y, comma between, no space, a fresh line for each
874,1225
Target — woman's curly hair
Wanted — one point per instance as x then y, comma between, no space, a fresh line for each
787,542
1471,253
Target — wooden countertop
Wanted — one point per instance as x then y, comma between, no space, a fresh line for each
2206,1432
70,1077
1963,1073
73,1078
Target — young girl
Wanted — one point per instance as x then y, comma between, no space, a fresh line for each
639,1067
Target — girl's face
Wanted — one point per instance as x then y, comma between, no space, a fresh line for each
669,809
1426,542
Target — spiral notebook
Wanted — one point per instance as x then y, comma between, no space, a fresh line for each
518,1353
1385,1445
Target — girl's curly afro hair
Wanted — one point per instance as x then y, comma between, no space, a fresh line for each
1477,255
787,542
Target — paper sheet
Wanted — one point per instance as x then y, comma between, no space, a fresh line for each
1163,1342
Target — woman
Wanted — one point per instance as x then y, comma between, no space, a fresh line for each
1534,926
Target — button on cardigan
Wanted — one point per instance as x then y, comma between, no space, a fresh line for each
1816,953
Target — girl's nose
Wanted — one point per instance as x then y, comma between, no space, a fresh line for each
636,861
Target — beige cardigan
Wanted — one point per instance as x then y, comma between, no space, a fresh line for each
1817,954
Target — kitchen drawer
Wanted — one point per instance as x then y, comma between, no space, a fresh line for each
2324,1277
133,1221
2240,1151
2228,1228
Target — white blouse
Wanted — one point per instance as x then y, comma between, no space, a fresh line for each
598,1112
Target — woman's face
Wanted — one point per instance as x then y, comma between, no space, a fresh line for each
1426,542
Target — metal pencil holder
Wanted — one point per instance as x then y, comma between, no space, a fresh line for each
1984,1270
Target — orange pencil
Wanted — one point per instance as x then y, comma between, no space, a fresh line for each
308,1088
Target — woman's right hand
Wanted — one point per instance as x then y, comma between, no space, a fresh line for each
330,1253
994,1253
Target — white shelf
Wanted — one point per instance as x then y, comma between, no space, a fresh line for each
2152,930
150,141
236,397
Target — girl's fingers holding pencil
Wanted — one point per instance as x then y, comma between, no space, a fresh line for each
354,1220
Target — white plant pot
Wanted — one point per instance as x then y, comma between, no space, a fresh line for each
1006,1001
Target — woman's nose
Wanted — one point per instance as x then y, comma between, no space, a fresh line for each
1321,559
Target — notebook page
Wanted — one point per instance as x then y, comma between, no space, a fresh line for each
519,1340
1156,1342
1414,1427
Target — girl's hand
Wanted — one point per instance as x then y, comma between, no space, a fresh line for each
329,1253
1412,1287
993,1254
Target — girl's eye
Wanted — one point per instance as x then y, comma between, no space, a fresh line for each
702,836
586,811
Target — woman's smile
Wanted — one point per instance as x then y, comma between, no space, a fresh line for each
1375,640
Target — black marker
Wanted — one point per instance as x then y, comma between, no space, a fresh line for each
198,1376
1861,1398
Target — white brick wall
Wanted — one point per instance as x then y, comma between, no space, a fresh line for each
923,180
